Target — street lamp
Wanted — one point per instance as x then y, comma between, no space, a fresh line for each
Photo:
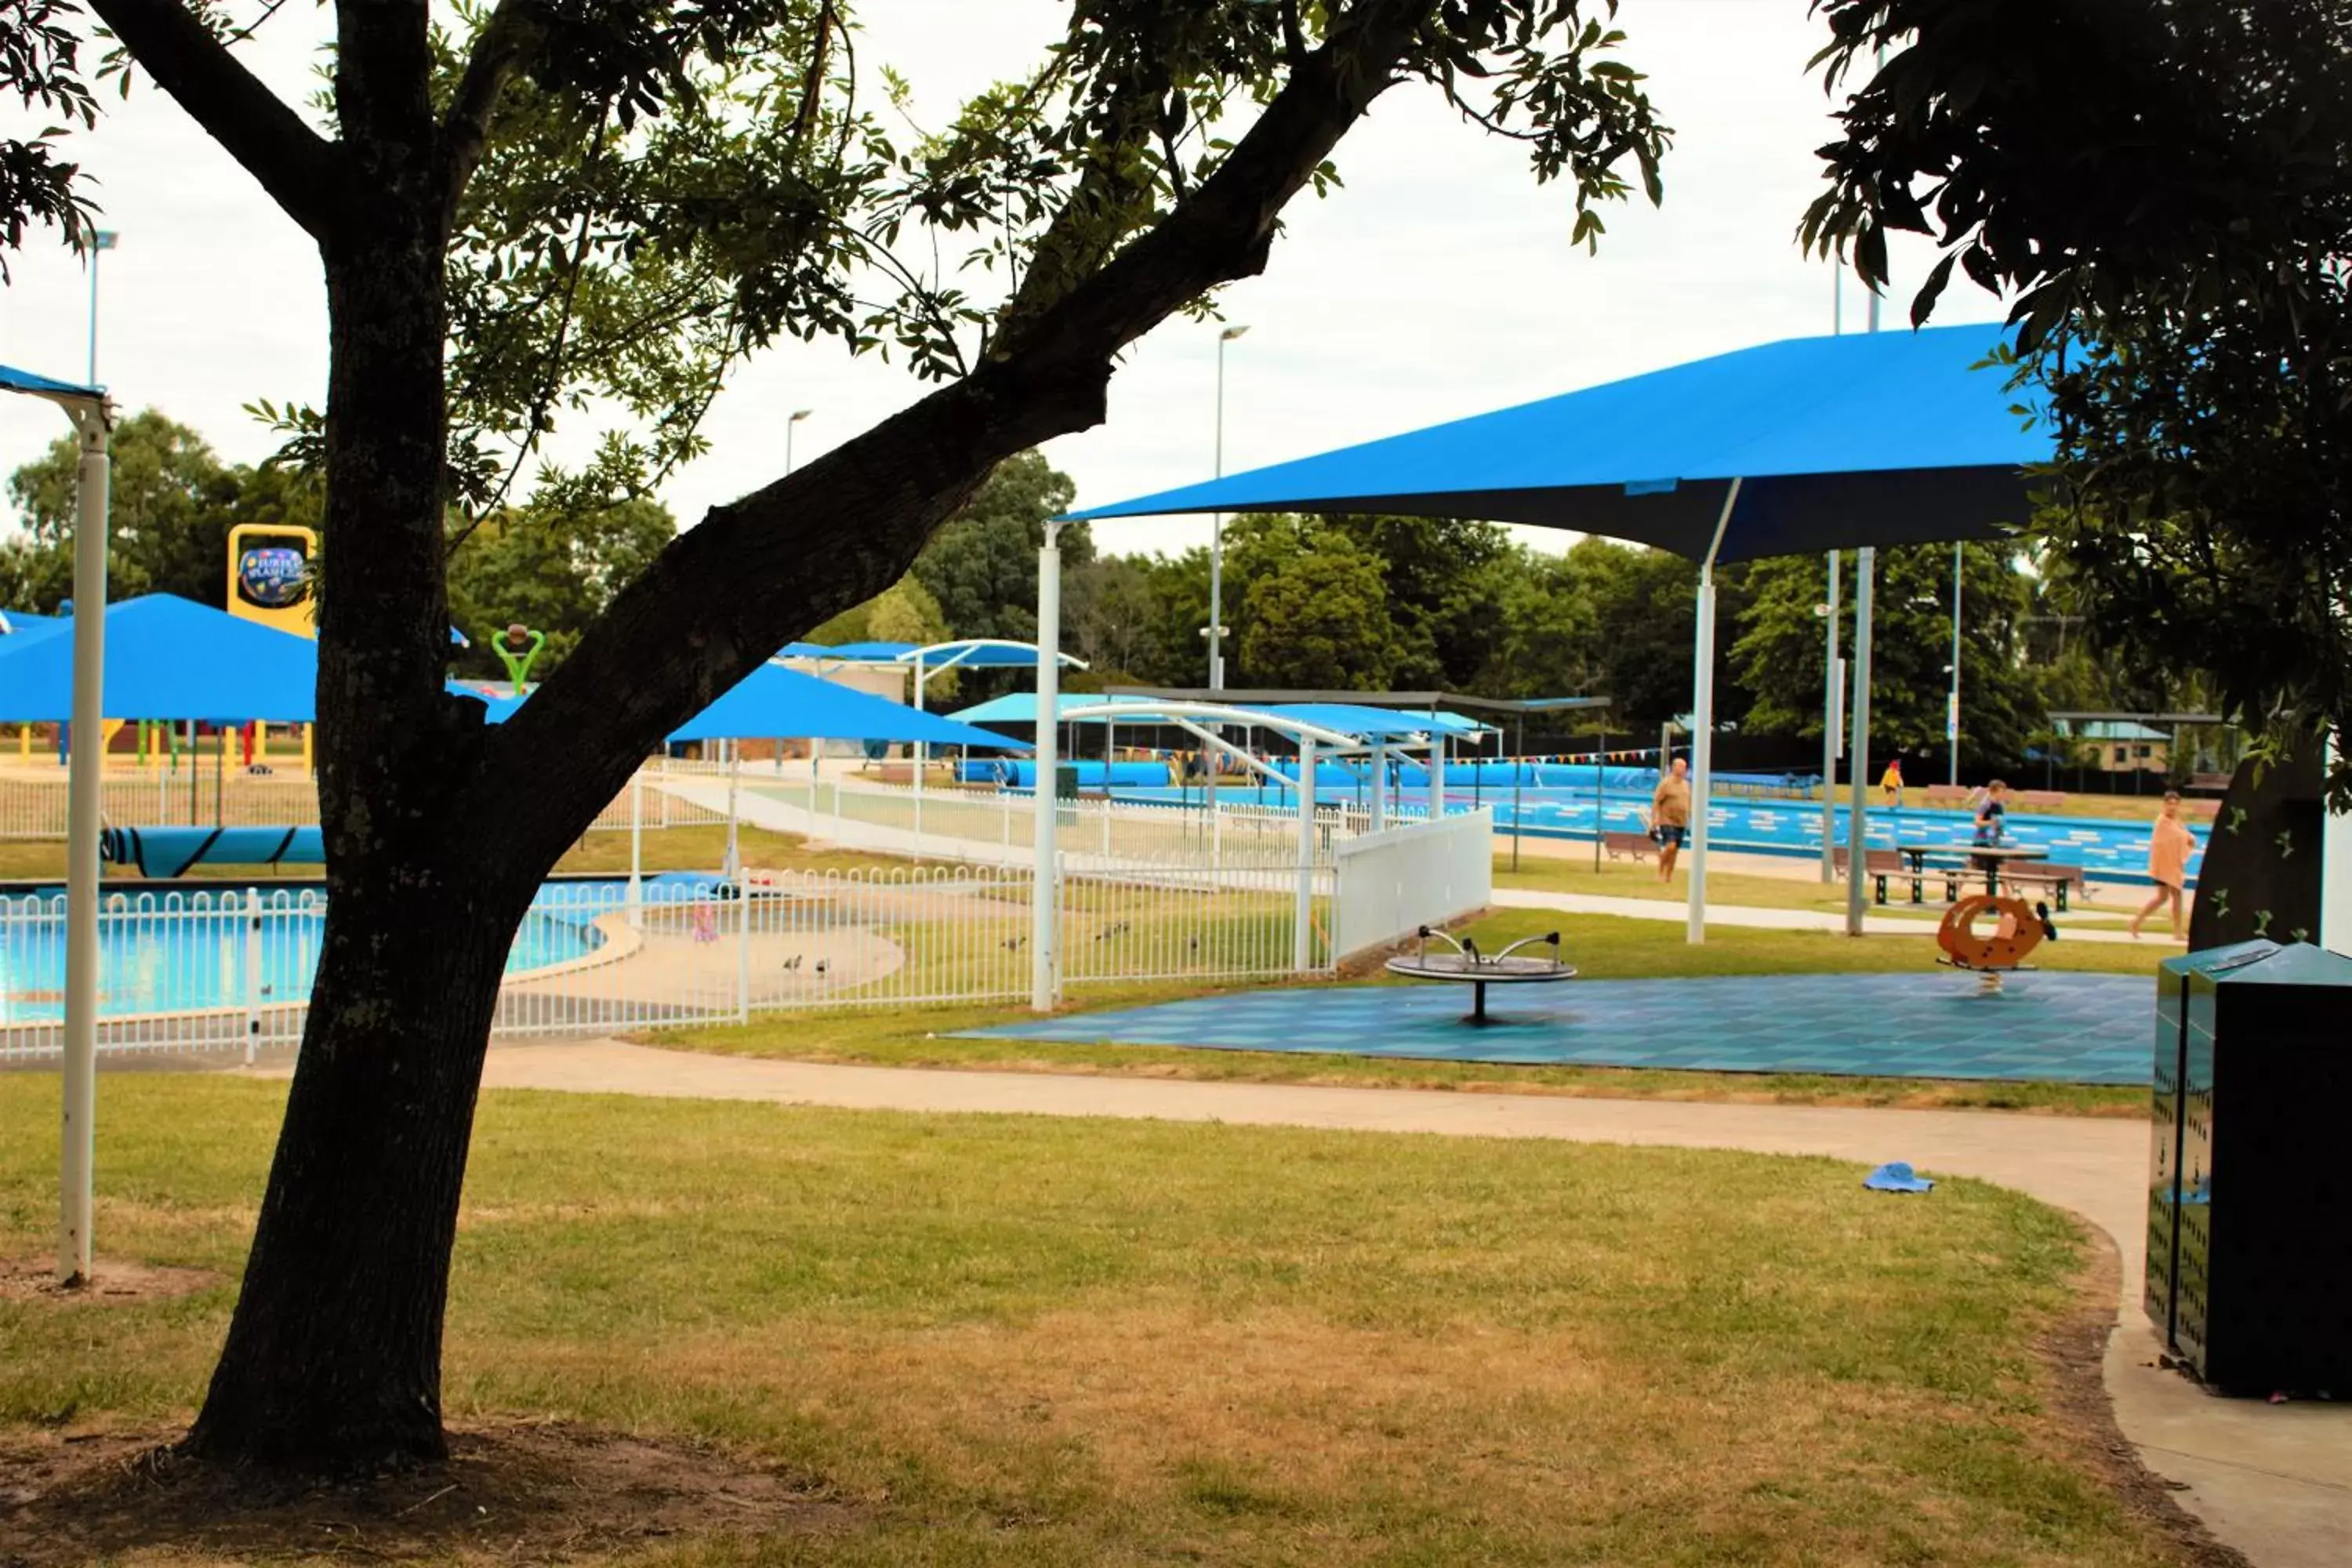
798,414
1216,631
99,239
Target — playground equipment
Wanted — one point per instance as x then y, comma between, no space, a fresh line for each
1465,964
2017,931
519,648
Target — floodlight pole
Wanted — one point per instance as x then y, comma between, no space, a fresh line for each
1865,573
1830,687
1045,892
1217,534
1703,722
1952,719
77,1147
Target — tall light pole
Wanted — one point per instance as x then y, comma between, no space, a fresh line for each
100,239
1217,531
798,414
1952,718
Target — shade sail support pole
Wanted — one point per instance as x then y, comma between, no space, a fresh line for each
1302,915
1830,705
1866,573
1044,898
1703,722
84,776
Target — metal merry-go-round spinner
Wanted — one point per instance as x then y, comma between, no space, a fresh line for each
1461,963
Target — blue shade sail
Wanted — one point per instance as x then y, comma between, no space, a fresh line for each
167,657
1881,438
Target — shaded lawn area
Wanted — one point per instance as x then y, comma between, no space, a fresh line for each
1037,1340
1601,947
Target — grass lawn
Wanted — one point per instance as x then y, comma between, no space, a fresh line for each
1029,1340
1602,947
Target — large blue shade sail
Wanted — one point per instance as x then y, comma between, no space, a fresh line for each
1879,439
167,657
1021,708
22,623
773,700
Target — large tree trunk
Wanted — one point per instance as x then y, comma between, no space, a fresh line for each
333,1358
2261,876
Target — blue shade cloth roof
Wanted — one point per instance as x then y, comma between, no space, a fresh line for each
774,701
14,380
974,655
1370,723
24,623
1021,707
168,657
1880,439
860,652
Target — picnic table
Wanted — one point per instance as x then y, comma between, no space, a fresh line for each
1988,857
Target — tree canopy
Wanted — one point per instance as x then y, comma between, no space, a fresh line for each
2167,190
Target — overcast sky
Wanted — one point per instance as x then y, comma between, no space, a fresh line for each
1438,283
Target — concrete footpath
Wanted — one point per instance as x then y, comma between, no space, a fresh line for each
2273,1481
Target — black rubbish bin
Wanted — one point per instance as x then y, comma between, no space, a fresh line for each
2250,1200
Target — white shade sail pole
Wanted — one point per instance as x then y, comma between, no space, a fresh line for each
1045,902
1436,773
1830,706
1703,722
922,757
1302,920
1866,573
78,1152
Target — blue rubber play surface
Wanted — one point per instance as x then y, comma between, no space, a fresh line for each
2069,1028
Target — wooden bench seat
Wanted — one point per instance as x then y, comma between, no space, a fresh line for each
2040,799
1879,865
1619,846
2060,880
1948,795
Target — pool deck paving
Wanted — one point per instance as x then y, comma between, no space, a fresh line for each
2274,1481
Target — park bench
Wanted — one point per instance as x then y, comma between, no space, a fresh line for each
2040,799
1948,795
1639,846
2059,879
1878,864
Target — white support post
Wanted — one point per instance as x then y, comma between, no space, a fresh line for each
922,757
1044,905
1830,706
734,866
252,972
1703,723
1436,773
1302,921
77,1152
742,948
1379,759
1866,573
637,844
2335,872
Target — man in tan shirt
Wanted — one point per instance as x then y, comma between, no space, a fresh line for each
1670,808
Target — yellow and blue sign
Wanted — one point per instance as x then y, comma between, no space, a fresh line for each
270,575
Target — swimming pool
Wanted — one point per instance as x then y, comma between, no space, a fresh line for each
2109,849
186,952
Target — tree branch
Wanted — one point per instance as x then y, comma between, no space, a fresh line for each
515,28
725,595
303,172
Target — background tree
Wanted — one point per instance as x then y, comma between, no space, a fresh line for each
1319,620
2167,190
552,564
173,503
1778,653
1547,631
982,565
678,184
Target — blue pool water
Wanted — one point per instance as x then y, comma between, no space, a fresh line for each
2109,851
174,953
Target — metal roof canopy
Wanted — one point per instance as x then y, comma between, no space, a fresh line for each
1366,699
1806,444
